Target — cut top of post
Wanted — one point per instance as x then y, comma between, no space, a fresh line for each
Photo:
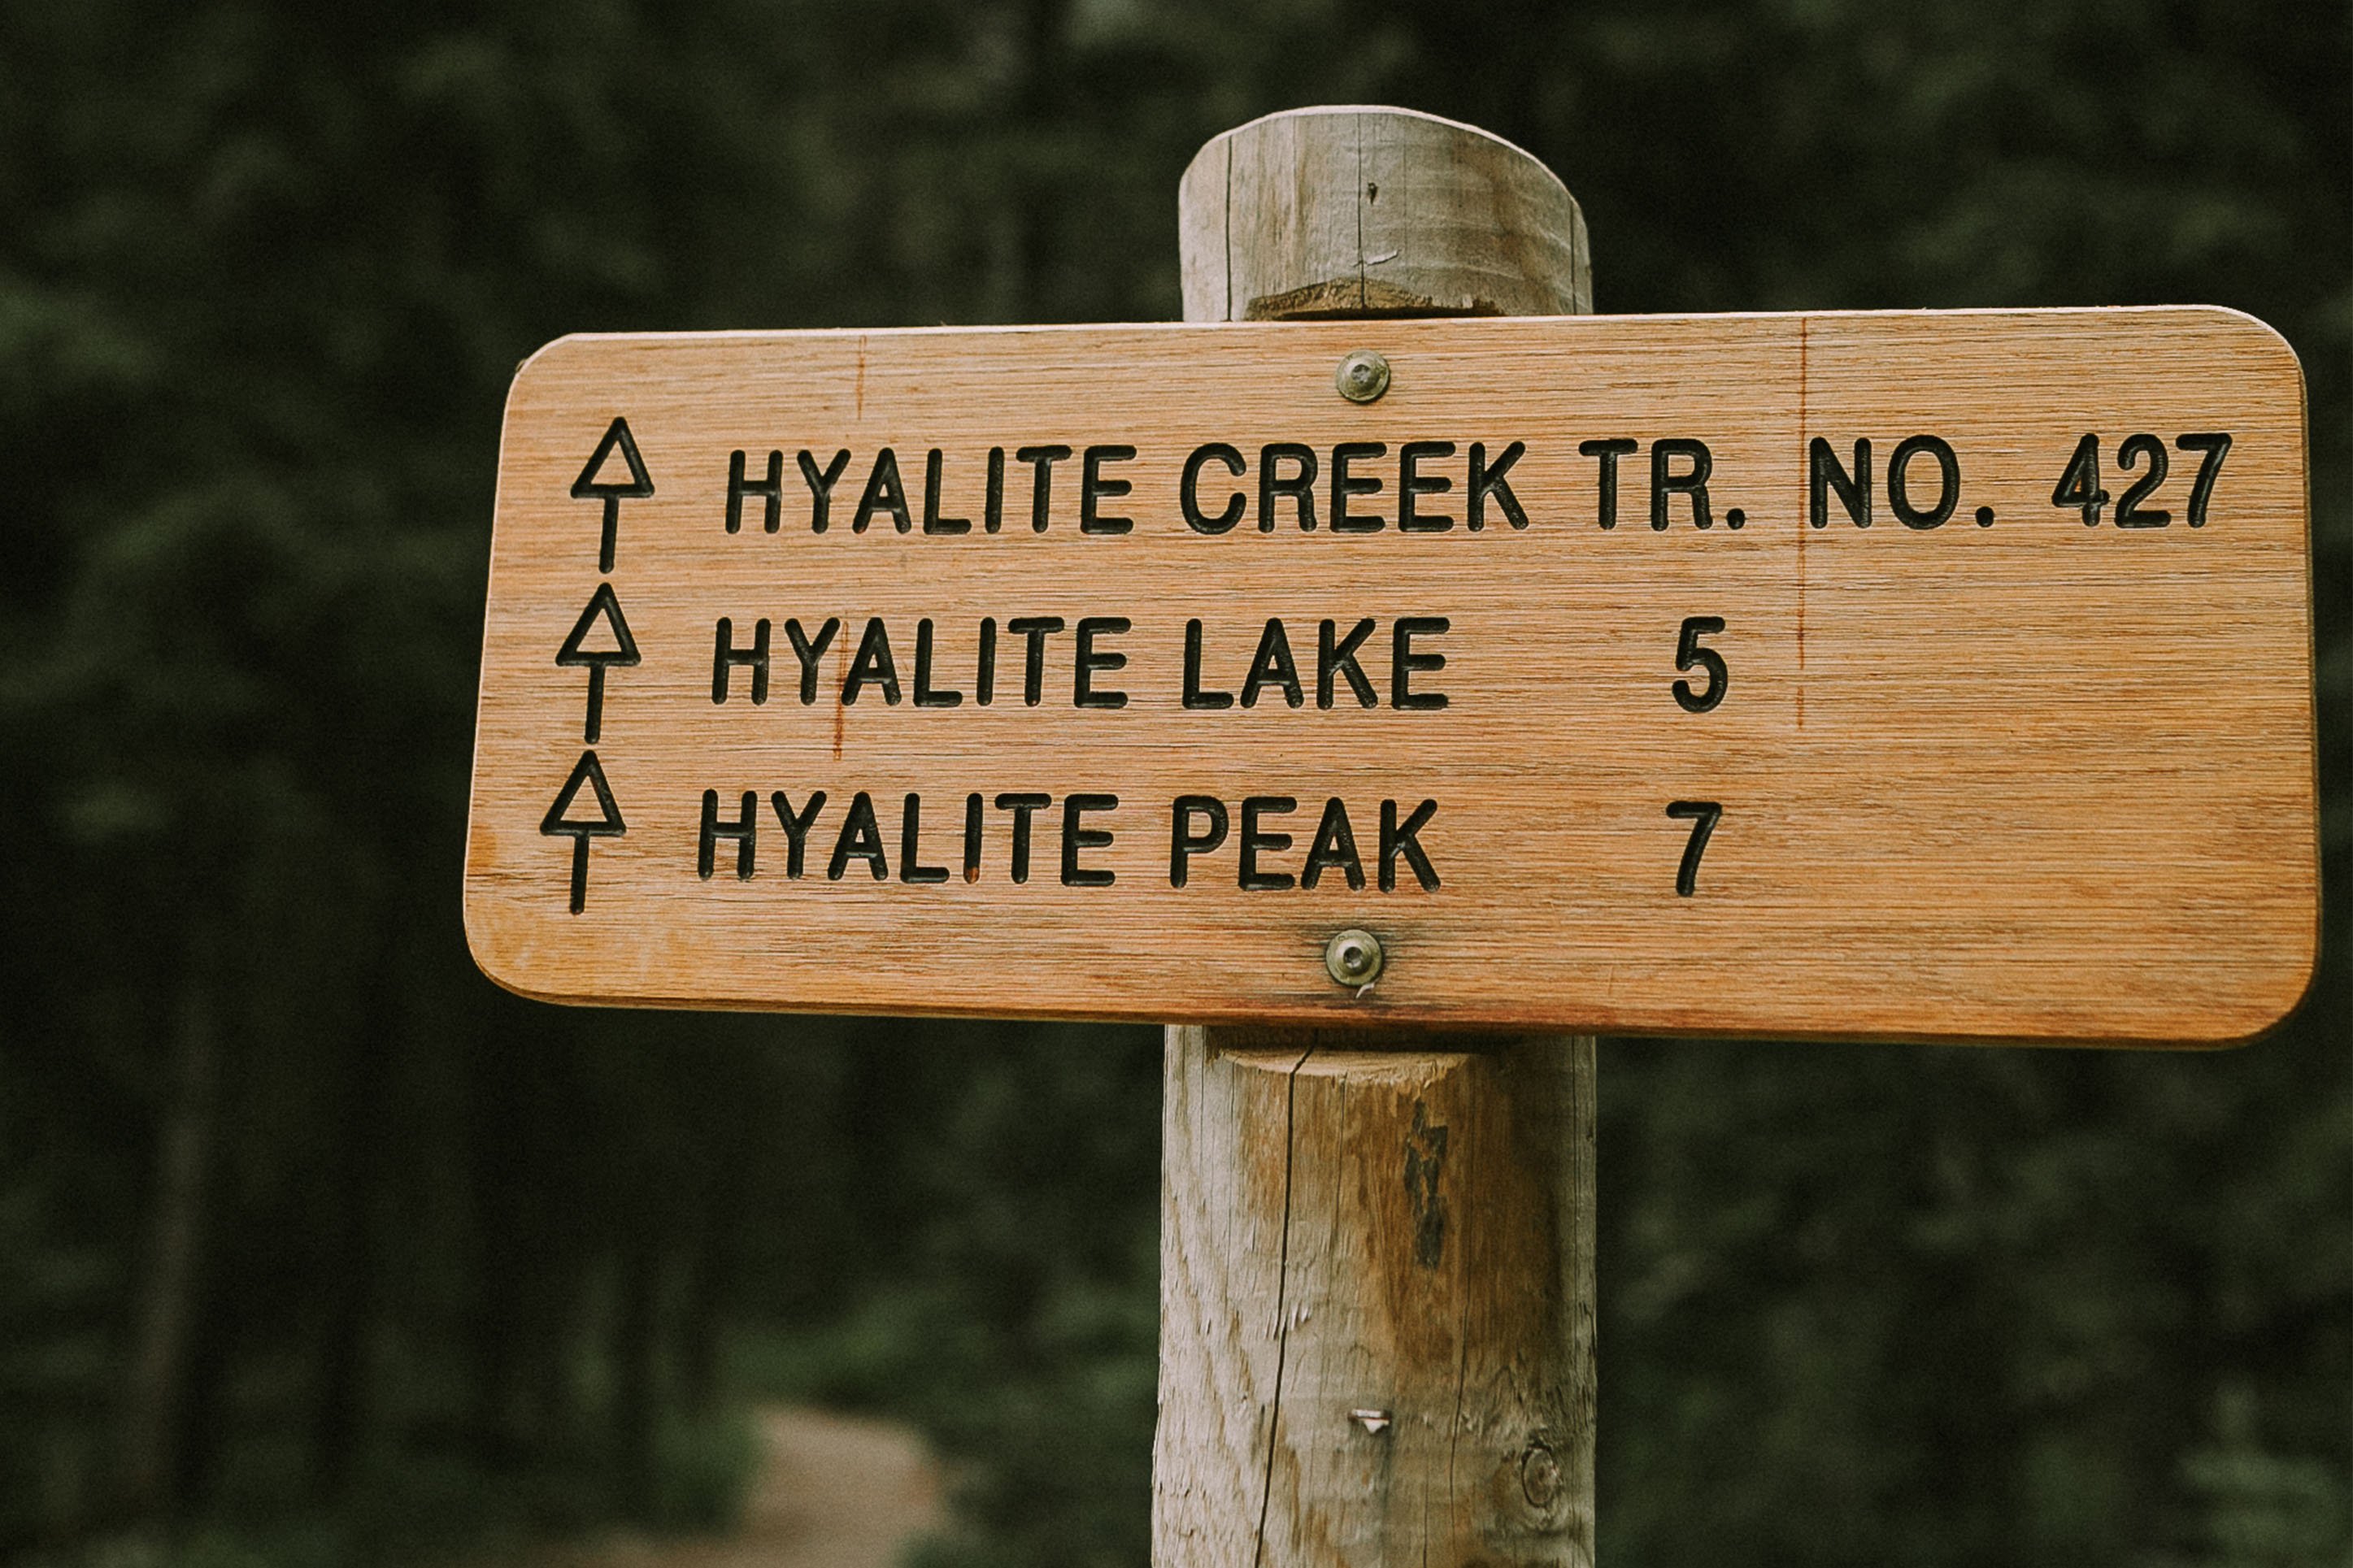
1365,211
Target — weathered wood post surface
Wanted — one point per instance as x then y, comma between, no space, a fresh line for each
1376,1255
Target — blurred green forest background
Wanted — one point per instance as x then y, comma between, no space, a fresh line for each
315,1247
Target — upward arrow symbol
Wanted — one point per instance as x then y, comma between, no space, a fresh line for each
605,608
587,774
613,491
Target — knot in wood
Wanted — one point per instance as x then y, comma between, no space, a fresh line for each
1539,1476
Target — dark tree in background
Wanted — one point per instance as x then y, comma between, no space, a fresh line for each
311,1240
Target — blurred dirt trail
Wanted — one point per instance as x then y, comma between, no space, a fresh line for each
832,1491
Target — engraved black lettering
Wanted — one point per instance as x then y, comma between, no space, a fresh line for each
1608,452
1188,492
727,656
1256,839
860,840
586,772
604,608
1336,656
1403,838
1036,628
925,697
1346,484
745,830
1404,662
873,666
1693,481
984,679
972,837
612,492
992,512
1184,841
2079,482
1095,490
820,482
809,652
771,491
1272,666
797,826
934,462
1702,815
1412,482
1087,660
1335,849
885,491
1825,473
2212,445
1076,837
1023,807
2136,451
1196,697
911,827
1486,482
1041,461
1299,484
1689,654
1948,481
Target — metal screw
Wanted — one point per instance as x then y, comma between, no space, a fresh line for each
1353,957
1363,376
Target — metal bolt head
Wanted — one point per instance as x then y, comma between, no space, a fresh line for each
1363,376
1353,957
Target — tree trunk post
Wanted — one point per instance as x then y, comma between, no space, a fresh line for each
1376,1302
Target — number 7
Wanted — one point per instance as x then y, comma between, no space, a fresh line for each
2213,445
1703,815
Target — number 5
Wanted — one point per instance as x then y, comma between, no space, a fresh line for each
1689,655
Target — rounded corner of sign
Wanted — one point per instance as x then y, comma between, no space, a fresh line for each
2263,335
516,983
2271,1012
554,348
494,958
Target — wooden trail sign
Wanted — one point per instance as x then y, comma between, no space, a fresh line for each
1941,675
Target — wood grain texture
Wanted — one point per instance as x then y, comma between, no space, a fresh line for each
1348,211
2034,781
1408,1376
1377,1267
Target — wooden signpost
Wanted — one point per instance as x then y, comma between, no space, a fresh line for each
1407,650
